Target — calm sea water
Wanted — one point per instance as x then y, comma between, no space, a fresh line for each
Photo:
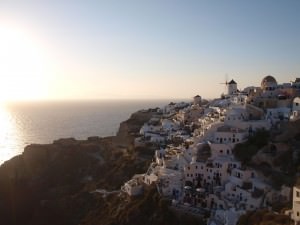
42,122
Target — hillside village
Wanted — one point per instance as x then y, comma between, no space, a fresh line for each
199,162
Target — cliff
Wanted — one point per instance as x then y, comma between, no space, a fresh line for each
54,184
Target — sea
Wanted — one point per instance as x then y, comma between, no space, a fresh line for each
24,123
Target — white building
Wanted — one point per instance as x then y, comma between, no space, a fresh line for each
239,99
245,189
170,108
174,157
239,117
190,114
220,149
134,187
227,134
214,171
296,205
239,176
169,125
295,115
236,115
170,181
279,113
146,128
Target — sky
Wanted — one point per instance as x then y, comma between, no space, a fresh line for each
139,49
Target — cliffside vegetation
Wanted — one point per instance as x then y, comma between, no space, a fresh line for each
245,151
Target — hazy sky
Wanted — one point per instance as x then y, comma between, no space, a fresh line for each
144,49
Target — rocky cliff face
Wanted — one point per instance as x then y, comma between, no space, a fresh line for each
53,183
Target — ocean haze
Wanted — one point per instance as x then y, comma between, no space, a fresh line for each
24,123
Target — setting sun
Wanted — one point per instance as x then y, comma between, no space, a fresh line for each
22,70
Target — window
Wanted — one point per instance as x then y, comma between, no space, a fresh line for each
297,104
298,194
298,213
196,167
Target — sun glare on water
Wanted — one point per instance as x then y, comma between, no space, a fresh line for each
22,66
8,136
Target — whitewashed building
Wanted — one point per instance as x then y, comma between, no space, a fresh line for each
134,187
236,115
220,149
227,134
277,114
295,115
190,114
296,205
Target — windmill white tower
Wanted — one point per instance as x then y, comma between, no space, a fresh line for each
231,87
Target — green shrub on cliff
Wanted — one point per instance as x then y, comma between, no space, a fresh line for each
245,151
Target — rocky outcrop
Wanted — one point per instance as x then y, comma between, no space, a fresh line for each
54,183
264,217
130,128
289,130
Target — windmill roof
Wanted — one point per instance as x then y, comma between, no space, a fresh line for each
232,82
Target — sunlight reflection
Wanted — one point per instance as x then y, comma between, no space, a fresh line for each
9,144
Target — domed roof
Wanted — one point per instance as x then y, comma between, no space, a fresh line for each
268,79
